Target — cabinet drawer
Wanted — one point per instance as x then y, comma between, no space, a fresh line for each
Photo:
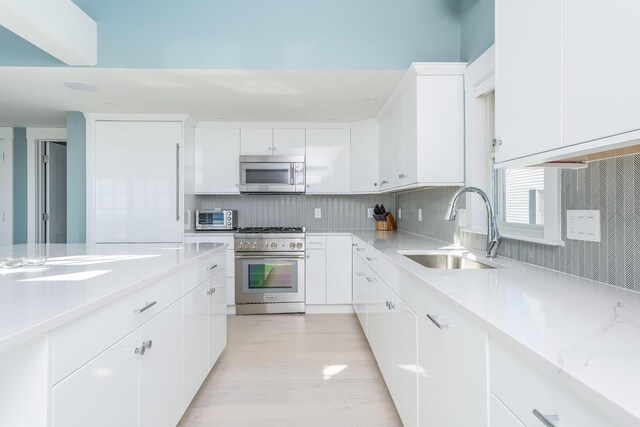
316,242
543,397
202,270
77,342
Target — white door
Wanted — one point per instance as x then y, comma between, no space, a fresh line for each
161,369
364,158
339,284
289,142
601,95
56,192
388,162
256,142
6,191
528,77
405,362
316,276
104,392
217,318
380,326
137,188
406,126
195,360
216,160
328,161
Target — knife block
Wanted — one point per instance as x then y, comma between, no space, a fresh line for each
388,225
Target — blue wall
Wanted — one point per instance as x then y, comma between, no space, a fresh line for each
477,28
76,177
19,185
259,34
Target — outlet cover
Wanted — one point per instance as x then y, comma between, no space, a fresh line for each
318,213
419,214
399,213
583,225
370,213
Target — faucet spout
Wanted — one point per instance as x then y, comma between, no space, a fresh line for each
493,235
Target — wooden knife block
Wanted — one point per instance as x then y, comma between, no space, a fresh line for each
388,225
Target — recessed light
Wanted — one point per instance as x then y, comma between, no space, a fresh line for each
372,100
82,87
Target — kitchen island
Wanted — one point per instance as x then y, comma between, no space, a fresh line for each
98,325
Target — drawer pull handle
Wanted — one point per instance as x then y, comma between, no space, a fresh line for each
547,420
359,274
359,249
145,345
436,322
213,267
211,291
146,307
371,259
390,305
371,279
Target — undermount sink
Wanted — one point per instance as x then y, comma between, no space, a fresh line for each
443,261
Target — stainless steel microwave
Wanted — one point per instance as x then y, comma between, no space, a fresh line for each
216,220
272,174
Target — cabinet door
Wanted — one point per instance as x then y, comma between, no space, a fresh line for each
405,127
364,158
601,95
104,392
381,326
528,77
134,203
328,161
359,291
289,142
339,284
405,357
217,318
388,152
316,276
161,369
195,351
453,368
256,142
216,156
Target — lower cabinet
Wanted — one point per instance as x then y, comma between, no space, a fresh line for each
328,270
195,365
217,320
405,359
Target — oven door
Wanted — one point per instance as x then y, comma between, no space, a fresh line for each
269,278
272,177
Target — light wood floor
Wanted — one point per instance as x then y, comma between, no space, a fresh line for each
294,370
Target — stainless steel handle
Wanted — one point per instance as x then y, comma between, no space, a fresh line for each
401,176
270,148
354,244
292,173
147,344
177,182
271,256
383,182
359,249
140,350
213,267
211,291
370,258
436,322
497,142
371,279
390,305
275,148
547,420
360,274
146,307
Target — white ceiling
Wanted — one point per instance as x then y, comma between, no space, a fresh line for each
37,97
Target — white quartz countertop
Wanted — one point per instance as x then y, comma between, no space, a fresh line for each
586,332
78,278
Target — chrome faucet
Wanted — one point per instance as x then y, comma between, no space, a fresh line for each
493,235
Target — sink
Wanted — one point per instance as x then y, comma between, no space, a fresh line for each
443,261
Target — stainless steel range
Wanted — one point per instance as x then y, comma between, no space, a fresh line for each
270,265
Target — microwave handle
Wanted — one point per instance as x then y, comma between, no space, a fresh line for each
292,173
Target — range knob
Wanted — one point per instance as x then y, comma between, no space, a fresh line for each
299,245
274,245
265,245
241,245
254,245
292,245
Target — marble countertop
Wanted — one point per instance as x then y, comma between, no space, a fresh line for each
78,278
586,332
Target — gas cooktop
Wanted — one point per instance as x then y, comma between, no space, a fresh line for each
271,230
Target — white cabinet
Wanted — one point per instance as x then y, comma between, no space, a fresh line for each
104,392
217,319
216,160
405,356
381,326
316,276
136,182
289,142
195,360
339,286
453,368
365,158
528,86
256,141
388,161
328,161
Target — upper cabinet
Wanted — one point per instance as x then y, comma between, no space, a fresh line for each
422,128
328,161
216,155
268,141
364,157
565,90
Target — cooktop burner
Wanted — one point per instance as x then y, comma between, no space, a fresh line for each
273,230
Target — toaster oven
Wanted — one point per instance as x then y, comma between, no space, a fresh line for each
216,220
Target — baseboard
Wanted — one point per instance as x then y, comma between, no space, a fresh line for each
329,308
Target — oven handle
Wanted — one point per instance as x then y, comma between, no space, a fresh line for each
270,257
292,173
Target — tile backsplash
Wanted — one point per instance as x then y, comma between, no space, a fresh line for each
611,186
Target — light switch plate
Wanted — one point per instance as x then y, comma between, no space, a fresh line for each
583,225
369,212
419,214
318,213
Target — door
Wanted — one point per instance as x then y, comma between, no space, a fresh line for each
364,158
328,161
216,293
104,392
388,151
195,360
339,284
6,191
256,142
269,278
316,276
137,182
380,325
216,159
405,362
289,142
161,369
55,185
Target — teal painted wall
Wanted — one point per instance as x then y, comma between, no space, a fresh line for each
19,185
259,34
76,177
477,28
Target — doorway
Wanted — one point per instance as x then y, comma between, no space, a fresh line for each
51,211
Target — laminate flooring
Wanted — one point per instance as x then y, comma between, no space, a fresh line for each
294,370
